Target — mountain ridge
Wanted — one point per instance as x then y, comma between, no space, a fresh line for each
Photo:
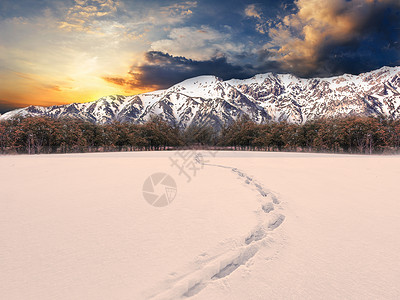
210,100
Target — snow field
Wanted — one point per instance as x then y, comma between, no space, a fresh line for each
249,225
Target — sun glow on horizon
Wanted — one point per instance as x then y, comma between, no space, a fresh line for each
26,90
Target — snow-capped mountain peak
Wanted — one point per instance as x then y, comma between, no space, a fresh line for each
269,96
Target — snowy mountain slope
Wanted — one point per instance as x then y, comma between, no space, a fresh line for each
208,99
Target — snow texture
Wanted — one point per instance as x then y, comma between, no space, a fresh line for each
249,225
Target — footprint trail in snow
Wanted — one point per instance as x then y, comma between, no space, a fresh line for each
220,266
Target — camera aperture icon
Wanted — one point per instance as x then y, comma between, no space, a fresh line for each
159,189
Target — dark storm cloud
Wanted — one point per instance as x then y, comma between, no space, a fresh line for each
162,70
336,37
376,45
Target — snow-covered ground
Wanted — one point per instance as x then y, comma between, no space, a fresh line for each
244,225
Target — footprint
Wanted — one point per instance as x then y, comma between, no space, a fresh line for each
278,220
268,207
236,263
194,290
274,199
262,193
239,173
255,236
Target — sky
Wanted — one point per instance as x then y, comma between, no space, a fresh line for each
62,51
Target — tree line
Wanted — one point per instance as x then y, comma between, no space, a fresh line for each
34,135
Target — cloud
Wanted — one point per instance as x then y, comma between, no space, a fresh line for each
195,42
178,10
161,70
82,16
51,87
325,37
166,15
251,11
117,80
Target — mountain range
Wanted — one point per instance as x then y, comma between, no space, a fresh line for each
264,97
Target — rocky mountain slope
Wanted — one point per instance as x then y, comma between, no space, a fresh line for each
208,99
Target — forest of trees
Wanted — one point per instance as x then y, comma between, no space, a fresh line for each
36,135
